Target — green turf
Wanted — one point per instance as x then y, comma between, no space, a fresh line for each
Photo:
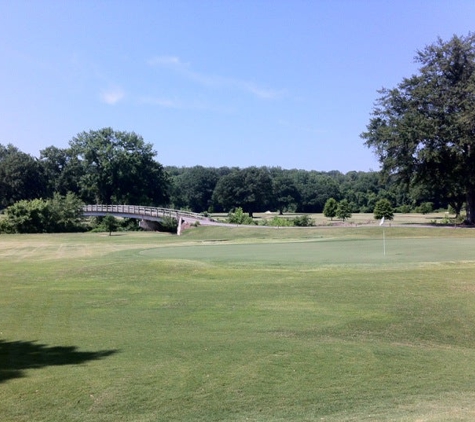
219,324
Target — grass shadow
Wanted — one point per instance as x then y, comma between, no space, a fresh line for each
18,356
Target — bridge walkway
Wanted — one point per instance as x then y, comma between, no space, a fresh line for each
184,218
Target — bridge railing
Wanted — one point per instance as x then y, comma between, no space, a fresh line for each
141,211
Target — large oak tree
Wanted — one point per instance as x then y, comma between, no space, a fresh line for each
423,131
119,167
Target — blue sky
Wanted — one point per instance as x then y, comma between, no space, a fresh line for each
214,83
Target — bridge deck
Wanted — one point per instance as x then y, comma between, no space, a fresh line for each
148,213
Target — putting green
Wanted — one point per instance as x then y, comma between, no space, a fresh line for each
326,252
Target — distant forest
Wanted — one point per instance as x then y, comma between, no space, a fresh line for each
110,167
301,191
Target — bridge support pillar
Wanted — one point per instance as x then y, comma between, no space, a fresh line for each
182,225
179,228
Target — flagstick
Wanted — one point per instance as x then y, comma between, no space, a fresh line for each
384,237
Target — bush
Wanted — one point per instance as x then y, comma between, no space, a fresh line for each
238,217
403,209
6,226
425,208
96,224
279,222
129,224
168,224
56,215
303,221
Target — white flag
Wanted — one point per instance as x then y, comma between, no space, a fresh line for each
382,221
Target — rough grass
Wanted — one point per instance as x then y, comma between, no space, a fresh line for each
357,218
271,325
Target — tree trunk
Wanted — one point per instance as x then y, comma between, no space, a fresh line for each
470,206
457,206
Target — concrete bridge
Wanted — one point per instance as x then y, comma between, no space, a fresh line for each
149,215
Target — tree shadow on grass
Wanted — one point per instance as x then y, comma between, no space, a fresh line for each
18,356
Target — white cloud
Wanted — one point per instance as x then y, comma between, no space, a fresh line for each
162,102
112,96
180,104
167,61
214,80
268,94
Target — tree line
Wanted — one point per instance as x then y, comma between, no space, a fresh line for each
113,167
258,189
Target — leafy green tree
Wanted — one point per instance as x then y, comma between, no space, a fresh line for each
67,213
193,188
62,170
21,176
383,208
227,193
329,210
327,187
423,131
119,167
110,224
315,188
361,189
343,210
285,194
249,188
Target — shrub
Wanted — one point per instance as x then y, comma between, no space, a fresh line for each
403,209
383,208
110,224
343,210
329,210
59,214
238,217
129,224
425,208
280,222
168,224
67,213
303,221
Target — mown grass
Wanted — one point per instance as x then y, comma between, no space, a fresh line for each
247,324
